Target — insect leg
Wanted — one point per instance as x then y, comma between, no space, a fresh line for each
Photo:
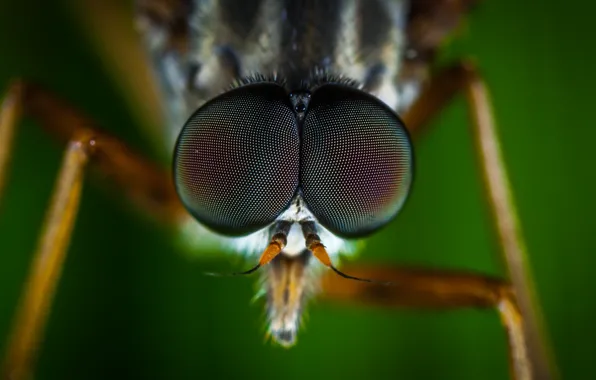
464,78
10,111
434,289
141,181
47,261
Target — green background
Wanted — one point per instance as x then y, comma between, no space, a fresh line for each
132,305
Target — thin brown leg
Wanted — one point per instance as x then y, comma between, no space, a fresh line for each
142,182
145,184
47,261
423,288
464,78
10,111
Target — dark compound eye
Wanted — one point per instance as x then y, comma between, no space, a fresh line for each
236,161
357,161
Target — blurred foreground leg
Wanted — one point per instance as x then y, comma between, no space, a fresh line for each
464,78
141,181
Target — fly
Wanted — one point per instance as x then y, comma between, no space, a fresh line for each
291,126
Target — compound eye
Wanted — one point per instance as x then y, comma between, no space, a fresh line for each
236,161
357,161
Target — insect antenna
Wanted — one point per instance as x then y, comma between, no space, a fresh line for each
276,245
313,243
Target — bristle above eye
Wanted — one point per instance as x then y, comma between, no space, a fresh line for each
319,77
256,78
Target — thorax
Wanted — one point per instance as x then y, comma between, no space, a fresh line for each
361,40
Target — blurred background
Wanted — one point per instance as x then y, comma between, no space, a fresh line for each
132,304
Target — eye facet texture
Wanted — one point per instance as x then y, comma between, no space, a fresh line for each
236,162
356,161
